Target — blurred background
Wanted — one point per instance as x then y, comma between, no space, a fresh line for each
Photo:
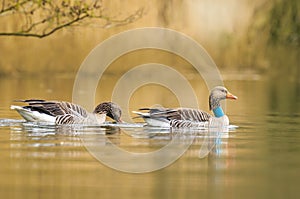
247,36
247,40
254,43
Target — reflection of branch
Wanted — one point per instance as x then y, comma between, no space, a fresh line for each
42,18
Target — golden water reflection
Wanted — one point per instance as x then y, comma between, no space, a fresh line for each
260,155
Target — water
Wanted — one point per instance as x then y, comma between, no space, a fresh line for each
257,160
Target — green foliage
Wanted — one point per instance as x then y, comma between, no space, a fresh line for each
284,22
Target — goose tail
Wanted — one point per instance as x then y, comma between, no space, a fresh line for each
32,116
141,114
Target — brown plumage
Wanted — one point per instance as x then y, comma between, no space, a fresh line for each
187,117
61,112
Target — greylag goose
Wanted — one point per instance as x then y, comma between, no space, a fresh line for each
187,117
60,112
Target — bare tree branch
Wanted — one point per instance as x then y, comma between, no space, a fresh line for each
41,18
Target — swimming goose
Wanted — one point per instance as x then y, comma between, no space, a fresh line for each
60,112
187,117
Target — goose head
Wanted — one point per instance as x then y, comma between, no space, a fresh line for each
217,94
110,109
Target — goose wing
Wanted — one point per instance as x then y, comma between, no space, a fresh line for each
158,113
194,115
189,114
55,108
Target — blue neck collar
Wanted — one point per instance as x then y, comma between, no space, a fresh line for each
218,112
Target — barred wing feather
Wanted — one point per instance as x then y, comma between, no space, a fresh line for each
178,114
73,109
193,115
56,108
187,124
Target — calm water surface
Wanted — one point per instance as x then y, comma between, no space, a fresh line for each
260,159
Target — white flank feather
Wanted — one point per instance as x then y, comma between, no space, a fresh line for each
156,122
33,116
153,121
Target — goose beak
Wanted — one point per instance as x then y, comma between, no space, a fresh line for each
231,96
120,121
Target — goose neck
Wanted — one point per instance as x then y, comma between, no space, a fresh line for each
218,112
